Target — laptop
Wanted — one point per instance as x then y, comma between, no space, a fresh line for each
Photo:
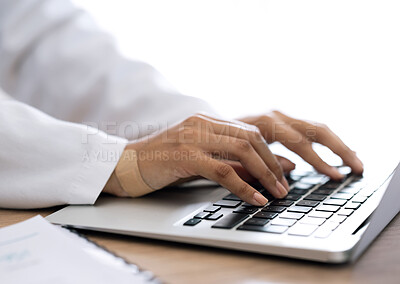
319,220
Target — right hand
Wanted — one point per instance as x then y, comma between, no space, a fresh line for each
205,146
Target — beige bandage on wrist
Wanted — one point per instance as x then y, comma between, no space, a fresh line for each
128,175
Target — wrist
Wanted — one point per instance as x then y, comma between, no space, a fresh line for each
114,187
127,177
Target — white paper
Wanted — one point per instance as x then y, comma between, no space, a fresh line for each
34,251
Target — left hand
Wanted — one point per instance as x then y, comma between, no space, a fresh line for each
298,136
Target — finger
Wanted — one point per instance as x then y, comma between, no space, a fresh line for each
329,139
240,170
245,175
310,156
242,150
226,176
251,134
297,143
286,164
239,129
322,134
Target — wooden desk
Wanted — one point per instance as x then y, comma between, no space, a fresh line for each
187,264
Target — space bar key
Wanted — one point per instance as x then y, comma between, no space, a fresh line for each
230,221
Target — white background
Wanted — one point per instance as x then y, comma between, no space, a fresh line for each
333,61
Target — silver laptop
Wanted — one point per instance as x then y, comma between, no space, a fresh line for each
319,220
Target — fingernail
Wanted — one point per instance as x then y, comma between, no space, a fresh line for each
282,190
259,199
285,184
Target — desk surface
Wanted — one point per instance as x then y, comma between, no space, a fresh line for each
178,263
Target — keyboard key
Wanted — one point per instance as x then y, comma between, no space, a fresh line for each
309,203
246,210
312,220
252,228
320,214
338,218
351,190
279,202
201,215
352,205
316,197
275,229
344,170
303,172
212,209
366,192
302,229
345,196
245,204
299,191
299,209
192,222
227,203
283,222
256,222
214,216
290,215
265,229
359,199
303,186
328,208
337,202
357,178
267,195
292,197
295,177
345,212
231,196
323,191
330,225
331,185
360,184
257,185
265,215
230,221
322,233
313,180
278,209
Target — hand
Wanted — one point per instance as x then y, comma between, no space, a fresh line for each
286,165
204,146
298,136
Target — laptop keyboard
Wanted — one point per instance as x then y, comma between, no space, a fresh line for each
314,206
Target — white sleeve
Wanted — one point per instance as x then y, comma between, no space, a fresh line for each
53,57
46,162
